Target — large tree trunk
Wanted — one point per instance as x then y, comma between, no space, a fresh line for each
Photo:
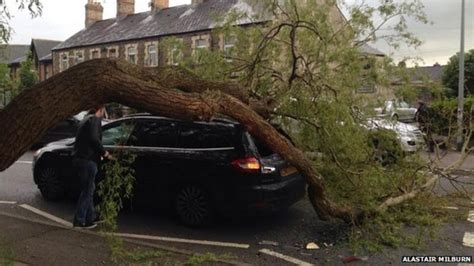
166,91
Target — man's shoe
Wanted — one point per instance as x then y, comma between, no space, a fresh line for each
85,226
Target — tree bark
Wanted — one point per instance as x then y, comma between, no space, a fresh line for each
165,91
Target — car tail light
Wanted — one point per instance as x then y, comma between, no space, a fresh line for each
247,165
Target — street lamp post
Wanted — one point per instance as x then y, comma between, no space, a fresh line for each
460,137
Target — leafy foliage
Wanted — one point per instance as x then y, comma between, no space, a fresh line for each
308,63
451,74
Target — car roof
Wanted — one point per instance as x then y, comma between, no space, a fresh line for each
219,120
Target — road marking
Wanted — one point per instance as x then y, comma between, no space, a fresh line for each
24,162
7,202
46,215
182,240
284,257
451,208
470,216
468,239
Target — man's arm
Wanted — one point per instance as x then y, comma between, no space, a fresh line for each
95,141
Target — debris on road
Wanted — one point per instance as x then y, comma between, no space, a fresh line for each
328,245
268,243
312,246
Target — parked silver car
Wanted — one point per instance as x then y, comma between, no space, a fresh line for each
396,110
410,137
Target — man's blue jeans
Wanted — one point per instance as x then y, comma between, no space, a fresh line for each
85,212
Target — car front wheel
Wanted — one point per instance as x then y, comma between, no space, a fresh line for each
193,206
50,183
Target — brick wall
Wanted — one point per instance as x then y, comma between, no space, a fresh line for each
102,50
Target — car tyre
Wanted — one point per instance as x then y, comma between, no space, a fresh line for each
193,206
395,117
50,184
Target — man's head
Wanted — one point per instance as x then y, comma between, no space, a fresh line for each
420,102
98,111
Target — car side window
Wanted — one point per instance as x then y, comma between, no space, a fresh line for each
117,134
155,133
404,105
199,136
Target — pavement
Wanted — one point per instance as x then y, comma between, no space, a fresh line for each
447,159
27,240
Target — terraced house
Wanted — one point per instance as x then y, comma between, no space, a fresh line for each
135,37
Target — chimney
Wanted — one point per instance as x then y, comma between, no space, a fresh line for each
195,2
125,8
94,12
159,4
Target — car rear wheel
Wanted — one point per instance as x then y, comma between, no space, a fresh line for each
193,206
50,184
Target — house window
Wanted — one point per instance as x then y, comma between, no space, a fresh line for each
132,54
152,52
200,46
112,53
95,54
64,62
229,43
79,58
175,56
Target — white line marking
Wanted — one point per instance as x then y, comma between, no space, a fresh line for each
470,216
284,257
7,202
182,240
24,162
46,215
451,208
468,239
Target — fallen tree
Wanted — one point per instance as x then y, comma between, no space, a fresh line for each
99,81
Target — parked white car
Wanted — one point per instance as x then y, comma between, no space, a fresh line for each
410,137
396,110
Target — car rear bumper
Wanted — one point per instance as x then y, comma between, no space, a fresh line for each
265,198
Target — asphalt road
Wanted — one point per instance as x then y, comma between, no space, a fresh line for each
290,230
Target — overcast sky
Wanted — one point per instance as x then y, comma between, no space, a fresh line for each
63,18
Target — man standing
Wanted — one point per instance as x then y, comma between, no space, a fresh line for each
87,154
423,117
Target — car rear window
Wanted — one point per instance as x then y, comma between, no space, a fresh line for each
196,136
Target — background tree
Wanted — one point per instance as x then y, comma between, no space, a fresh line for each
27,75
451,74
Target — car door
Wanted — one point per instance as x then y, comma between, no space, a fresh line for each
154,143
116,137
404,110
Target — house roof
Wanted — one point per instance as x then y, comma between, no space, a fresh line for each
48,57
43,47
432,73
18,60
164,22
10,52
366,49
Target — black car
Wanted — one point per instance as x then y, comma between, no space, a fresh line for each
196,168
64,129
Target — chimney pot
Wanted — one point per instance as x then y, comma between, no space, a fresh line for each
125,8
94,12
159,4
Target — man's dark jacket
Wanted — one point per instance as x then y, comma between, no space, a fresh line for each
88,145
